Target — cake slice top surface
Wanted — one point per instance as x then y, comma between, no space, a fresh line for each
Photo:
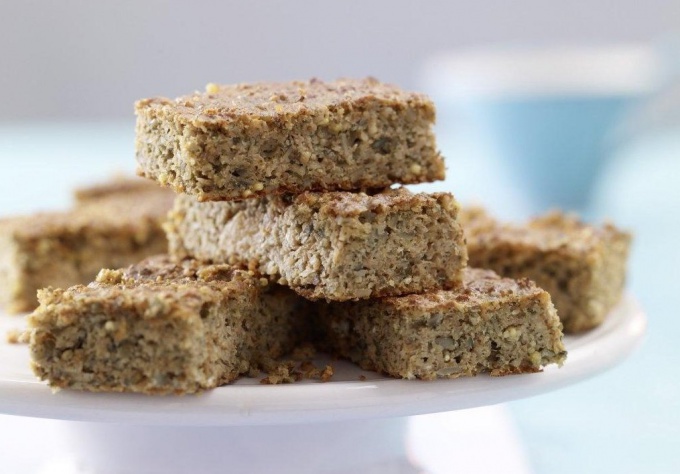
266,100
118,186
115,211
480,289
348,204
554,231
161,270
154,287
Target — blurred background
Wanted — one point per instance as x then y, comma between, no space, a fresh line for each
90,60
541,104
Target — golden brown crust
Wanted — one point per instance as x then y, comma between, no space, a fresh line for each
479,287
119,185
279,102
162,270
344,204
555,231
124,211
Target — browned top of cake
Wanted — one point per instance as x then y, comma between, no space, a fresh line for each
63,306
347,204
276,100
162,269
553,231
156,286
118,186
132,210
480,288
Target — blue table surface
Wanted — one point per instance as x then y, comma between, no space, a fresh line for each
625,421
628,419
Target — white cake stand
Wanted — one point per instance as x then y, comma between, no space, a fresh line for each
350,424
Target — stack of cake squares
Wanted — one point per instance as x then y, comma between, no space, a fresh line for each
289,226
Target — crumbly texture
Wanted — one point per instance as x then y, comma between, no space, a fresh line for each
495,325
61,249
161,327
237,141
583,267
336,246
290,371
298,366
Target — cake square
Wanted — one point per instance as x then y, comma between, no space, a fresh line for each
61,249
237,141
335,246
582,266
489,324
160,327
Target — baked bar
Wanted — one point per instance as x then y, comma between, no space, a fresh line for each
238,141
583,267
159,327
495,325
62,249
338,246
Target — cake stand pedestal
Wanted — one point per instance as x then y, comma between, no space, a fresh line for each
343,447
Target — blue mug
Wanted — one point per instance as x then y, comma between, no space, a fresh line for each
546,112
